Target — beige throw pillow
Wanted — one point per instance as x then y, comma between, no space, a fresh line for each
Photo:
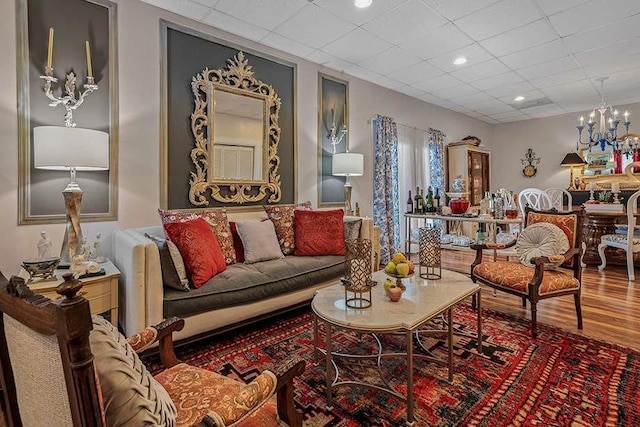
541,239
132,397
259,240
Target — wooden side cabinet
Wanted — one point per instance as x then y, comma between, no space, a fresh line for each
101,291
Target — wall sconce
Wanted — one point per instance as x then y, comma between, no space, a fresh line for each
347,164
335,135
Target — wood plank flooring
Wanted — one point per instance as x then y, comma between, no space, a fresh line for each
610,303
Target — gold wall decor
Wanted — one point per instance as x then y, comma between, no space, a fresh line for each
236,79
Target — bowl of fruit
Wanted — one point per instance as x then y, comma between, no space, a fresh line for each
399,267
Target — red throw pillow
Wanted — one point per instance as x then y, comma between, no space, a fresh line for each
237,242
319,232
199,248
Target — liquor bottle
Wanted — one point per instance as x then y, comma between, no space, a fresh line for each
416,208
409,203
423,201
429,201
491,205
436,199
484,204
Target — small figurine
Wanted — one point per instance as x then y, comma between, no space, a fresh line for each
96,253
357,209
44,246
80,267
85,249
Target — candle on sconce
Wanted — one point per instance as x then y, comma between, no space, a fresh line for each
591,186
581,120
50,48
89,68
615,114
344,113
626,116
615,187
333,112
610,122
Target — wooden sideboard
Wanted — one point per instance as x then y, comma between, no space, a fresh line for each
597,225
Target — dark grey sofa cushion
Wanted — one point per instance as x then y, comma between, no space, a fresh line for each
243,283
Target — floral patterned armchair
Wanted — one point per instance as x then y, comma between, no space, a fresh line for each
47,347
536,283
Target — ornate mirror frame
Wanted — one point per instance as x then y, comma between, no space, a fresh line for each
237,78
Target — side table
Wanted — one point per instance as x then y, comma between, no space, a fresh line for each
597,225
101,291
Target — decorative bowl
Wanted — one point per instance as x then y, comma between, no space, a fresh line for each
399,278
41,267
459,206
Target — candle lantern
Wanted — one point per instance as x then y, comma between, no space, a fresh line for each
357,281
430,261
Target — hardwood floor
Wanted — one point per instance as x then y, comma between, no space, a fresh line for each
610,303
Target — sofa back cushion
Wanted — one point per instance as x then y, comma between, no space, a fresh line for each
282,218
216,218
237,242
174,274
319,232
199,248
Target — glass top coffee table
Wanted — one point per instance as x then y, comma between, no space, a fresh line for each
422,301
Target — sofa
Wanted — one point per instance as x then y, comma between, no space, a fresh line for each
241,294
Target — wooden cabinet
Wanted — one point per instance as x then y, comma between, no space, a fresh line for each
473,164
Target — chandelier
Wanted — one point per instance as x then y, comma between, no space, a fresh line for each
605,132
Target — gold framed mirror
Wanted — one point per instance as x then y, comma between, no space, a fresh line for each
236,133
599,167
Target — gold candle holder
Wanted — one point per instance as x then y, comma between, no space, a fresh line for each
357,281
430,261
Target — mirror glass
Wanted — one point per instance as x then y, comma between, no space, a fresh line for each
239,137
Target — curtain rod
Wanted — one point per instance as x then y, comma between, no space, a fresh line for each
411,127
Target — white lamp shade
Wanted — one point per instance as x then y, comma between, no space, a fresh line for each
61,148
347,164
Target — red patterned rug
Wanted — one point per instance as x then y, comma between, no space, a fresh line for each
560,379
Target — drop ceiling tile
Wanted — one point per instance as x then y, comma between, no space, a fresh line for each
512,90
406,22
387,82
498,18
593,14
411,91
390,60
548,68
287,45
328,61
551,7
535,55
543,111
488,111
489,103
605,68
188,8
436,42
356,46
502,79
208,3
314,27
266,14
520,38
431,99
480,71
454,92
415,73
529,95
454,9
559,78
603,36
347,11
361,73
235,26
474,53
509,115
443,81
469,99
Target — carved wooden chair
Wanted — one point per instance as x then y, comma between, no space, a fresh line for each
537,283
63,367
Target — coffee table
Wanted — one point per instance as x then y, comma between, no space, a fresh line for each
422,301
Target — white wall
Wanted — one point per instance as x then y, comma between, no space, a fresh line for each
551,138
139,88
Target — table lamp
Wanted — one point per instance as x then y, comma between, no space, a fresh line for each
73,149
347,164
572,159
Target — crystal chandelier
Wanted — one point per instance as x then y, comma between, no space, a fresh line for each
607,129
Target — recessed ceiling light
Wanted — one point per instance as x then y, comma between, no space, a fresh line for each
519,98
460,60
363,3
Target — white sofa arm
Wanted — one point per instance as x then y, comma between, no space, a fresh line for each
140,288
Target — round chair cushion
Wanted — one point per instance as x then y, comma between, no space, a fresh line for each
541,239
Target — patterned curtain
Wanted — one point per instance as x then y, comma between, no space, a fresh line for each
436,159
386,207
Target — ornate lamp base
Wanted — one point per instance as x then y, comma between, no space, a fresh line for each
73,232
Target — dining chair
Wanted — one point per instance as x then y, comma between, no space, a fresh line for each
534,198
558,196
628,242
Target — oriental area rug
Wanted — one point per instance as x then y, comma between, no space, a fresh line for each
560,379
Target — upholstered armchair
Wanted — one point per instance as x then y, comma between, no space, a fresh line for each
63,367
538,281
